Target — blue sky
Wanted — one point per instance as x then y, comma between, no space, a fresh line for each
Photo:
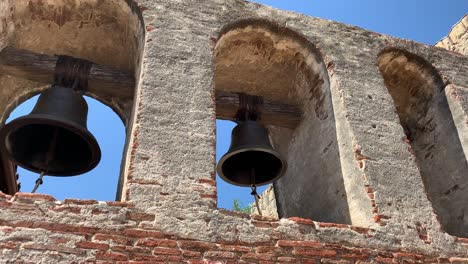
425,21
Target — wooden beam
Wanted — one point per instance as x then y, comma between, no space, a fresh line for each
104,80
273,113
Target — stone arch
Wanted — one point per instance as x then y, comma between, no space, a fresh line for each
262,58
418,94
109,33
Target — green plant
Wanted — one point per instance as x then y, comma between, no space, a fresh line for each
239,207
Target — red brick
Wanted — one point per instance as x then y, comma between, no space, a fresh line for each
267,249
209,196
332,225
148,258
189,253
255,256
360,230
33,197
458,260
290,243
8,245
219,255
166,251
286,260
235,248
383,260
79,202
152,242
261,224
462,240
142,233
113,238
355,255
406,255
314,252
175,258
140,216
197,245
92,245
134,249
111,256
264,218
309,261
210,182
302,221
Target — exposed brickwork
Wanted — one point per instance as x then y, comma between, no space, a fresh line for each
131,241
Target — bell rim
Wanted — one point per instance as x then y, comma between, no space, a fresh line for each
48,120
253,148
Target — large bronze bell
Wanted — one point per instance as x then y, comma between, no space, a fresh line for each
251,160
53,138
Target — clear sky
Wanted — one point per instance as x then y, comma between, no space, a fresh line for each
425,21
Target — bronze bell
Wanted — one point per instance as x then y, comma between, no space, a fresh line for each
54,137
251,160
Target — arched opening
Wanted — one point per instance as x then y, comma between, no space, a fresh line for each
418,94
101,182
261,58
109,33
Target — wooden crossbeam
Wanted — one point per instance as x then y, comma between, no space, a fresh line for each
273,113
104,80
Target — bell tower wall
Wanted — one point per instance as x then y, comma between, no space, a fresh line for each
167,211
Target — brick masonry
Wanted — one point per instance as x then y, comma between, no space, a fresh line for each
167,211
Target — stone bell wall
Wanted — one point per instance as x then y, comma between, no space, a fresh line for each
167,212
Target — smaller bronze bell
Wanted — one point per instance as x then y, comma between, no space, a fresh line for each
54,137
251,160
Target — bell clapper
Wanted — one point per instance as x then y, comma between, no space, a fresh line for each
254,191
49,157
39,181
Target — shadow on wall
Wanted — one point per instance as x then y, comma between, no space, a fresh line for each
260,58
418,93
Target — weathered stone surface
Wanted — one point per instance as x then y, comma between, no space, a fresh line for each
457,39
168,169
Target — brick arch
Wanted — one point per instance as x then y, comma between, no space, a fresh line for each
260,57
109,33
418,94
